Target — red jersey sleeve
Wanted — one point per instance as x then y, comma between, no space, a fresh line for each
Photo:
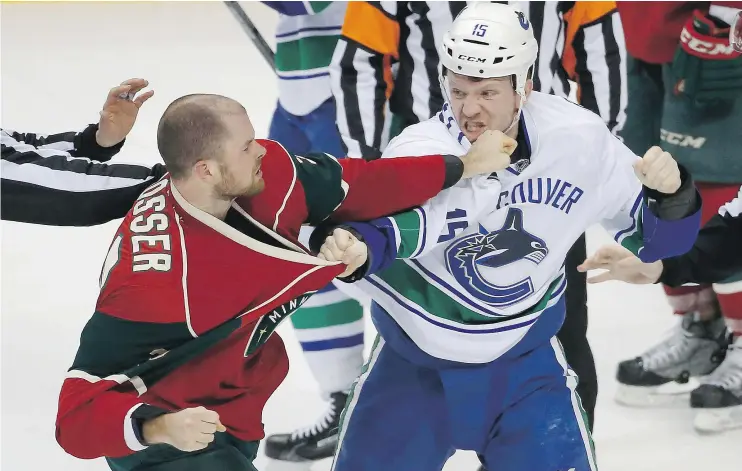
93,420
312,188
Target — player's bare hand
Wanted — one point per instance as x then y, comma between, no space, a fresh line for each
343,246
120,111
187,430
658,170
620,264
489,153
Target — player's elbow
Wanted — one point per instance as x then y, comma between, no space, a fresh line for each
74,443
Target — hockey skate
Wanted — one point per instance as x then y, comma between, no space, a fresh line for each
665,375
718,401
311,443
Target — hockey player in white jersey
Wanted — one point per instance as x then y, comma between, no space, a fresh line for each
468,288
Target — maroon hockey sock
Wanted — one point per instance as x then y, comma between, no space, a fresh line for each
700,299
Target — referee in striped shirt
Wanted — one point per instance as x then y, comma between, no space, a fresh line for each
60,180
386,65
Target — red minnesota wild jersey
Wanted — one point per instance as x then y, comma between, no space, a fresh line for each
188,302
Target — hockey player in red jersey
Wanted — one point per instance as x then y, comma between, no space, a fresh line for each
178,360
684,80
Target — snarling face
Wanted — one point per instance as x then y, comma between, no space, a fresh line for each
481,104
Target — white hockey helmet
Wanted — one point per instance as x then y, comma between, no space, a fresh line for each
490,40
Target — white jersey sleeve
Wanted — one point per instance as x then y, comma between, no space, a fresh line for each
621,192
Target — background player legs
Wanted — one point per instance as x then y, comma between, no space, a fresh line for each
329,326
321,130
700,128
330,331
640,378
694,348
702,299
718,400
573,334
286,129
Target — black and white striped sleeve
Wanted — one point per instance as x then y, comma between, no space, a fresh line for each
717,253
46,184
77,144
360,75
600,54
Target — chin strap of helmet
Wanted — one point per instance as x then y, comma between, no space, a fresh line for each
516,117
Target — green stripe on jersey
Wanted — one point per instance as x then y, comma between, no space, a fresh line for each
344,312
635,241
109,345
406,281
305,53
409,224
319,6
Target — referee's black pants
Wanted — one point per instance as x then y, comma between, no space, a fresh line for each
573,334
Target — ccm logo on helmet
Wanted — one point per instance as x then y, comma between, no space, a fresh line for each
478,60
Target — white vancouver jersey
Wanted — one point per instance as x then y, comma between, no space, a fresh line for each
484,258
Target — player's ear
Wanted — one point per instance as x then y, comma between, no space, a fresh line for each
529,88
204,171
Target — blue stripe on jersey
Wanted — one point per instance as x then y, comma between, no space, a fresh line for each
289,8
301,77
331,344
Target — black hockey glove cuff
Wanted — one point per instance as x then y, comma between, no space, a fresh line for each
454,171
678,205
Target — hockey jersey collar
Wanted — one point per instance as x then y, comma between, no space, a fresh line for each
291,252
523,151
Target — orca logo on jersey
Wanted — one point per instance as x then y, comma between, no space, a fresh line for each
510,244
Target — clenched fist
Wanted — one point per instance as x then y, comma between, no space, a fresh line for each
342,246
658,171
120,111
489,153
187,430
